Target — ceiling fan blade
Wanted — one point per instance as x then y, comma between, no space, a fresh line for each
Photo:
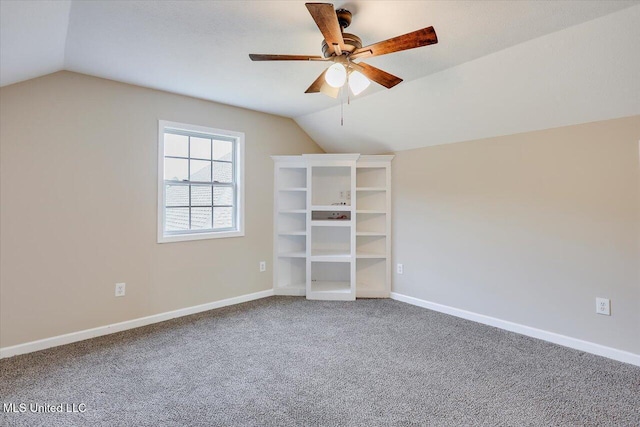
320,85
261,57
419,38
327,21
377,75
317,84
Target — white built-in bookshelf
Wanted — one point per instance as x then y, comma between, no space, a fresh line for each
332,223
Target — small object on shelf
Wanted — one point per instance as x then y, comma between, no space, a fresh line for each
338,215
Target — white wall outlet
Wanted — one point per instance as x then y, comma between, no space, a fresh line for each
603,306
342,195
263,266
348,194
120,288
400,269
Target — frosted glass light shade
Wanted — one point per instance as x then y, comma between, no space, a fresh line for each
336,75
358,82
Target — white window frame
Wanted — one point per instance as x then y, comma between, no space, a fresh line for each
239,179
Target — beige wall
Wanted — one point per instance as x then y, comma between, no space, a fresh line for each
528,228
78,164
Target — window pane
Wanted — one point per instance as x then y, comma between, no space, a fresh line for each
200,195
177,195
176,169
222,196
200,218
176,219
176,145
200,170
222,172
200,148
222,217
222,150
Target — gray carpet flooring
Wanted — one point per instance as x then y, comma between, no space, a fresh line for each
286,361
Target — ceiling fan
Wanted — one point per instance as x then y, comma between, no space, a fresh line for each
343,48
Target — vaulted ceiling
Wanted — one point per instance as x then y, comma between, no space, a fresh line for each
499,67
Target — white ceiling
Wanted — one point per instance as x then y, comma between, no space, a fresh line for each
200,48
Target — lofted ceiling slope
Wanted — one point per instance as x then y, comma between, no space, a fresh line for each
199,48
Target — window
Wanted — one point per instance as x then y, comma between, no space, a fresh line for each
200,177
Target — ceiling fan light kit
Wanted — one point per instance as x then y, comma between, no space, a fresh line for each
343,49
358,82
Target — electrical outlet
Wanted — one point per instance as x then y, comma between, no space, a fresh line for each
263,266
342,195
348,194
603,306
120,289
400,269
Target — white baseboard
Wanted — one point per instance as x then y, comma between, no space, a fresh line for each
586,346
123,326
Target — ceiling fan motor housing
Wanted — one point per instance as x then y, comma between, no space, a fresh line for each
351,43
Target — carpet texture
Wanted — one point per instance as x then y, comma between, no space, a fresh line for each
286,361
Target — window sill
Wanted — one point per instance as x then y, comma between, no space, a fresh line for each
199,236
